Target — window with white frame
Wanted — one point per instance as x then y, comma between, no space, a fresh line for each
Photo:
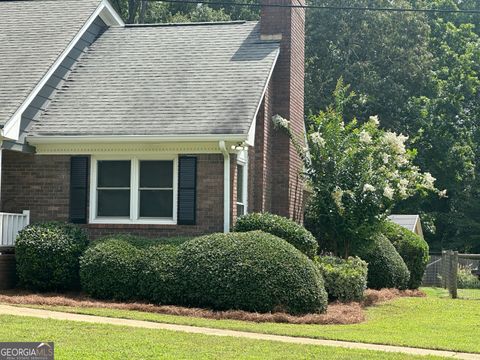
133,190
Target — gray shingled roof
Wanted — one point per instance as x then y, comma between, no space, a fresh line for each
32,36
406,221
164,80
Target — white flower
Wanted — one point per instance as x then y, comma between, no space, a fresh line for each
374,119
388,192
317,139
428,180
365,137
443,193
395,142
337,195
280,122
385,158
368,187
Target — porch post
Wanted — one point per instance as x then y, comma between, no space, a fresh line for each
226,187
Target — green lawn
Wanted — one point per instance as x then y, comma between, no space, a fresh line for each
74,340
433,322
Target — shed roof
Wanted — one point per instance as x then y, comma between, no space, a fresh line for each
407,221
185,79
33,34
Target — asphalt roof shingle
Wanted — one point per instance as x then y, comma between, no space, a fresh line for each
32,36
164,80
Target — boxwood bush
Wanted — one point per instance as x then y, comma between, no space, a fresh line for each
158,281
253,271
412,248
282,227
345,280
111,270
47,256
386,268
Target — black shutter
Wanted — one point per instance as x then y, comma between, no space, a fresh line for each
78,189
187,190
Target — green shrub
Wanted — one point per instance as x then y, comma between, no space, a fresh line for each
110,270
412,248
47,256
386,268
466,280
143,242
158,282
253,271
345,280
282,227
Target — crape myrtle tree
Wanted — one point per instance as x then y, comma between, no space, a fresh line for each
357,173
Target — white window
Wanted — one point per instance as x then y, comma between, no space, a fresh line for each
137,190
242,182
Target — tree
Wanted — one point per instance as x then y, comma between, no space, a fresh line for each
357,173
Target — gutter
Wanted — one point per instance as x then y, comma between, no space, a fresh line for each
226,186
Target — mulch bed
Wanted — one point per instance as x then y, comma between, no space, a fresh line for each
337,313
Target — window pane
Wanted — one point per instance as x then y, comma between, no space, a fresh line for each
240,184
240,210
156,203
113,203
156,174
114,173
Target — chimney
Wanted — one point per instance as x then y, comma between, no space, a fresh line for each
286,24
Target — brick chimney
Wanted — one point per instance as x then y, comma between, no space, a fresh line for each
287,100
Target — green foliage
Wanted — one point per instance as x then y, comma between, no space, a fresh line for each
142,242
282,227
357,172
345,280
412,248
47,256
110,270
158,281
386,268
466,280
253,271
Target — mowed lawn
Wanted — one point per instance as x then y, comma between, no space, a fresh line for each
76,340
434,322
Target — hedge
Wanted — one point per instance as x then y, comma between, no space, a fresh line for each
158,280
111,270
282,227
252,271
345,280
412,248
386,268
47,256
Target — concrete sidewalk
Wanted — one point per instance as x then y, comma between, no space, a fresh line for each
47,314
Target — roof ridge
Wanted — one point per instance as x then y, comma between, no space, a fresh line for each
187,24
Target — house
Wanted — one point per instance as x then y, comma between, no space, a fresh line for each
409,222
155,130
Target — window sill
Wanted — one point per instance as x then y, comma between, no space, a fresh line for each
133,222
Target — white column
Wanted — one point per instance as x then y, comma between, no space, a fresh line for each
226,186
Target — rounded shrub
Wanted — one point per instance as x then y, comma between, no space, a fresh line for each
412,248
282,227
47,256
110,270
158,281
386,268
252,271
345,280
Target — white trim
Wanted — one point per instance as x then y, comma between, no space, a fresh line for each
226,186
94,139
14,122
251,132
110,16
242,160
134,190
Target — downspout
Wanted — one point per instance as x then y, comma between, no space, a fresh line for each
226,186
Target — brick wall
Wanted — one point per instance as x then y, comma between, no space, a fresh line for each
276,165
41,184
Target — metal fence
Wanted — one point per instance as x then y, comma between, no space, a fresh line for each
458,273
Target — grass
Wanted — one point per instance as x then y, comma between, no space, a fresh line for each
431,322
75,340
